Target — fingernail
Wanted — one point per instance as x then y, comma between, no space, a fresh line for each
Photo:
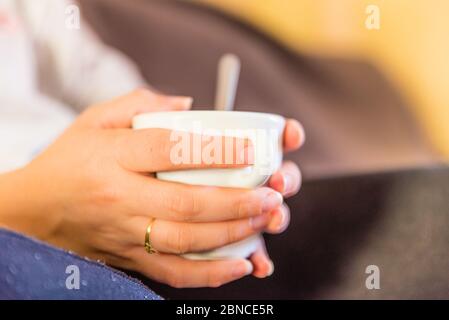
272,201
281,220
246,155
270,268
185,101
300,133
259,222
287,182
242,269
303,135
277,182
276,221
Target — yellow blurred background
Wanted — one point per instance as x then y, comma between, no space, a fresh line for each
411,45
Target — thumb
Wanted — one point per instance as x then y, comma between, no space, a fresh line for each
118,113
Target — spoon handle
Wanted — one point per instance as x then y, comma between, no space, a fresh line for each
227,80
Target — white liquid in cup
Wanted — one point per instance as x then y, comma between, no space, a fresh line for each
265,132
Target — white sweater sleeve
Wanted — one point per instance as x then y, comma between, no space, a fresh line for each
74,65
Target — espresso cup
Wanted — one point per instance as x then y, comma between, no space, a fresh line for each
265,132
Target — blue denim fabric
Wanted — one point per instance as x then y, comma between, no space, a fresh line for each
30,269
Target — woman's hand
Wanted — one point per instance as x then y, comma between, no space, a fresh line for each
90,192
287,181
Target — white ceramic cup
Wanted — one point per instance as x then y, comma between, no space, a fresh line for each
263,129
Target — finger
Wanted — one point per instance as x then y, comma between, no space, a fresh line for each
287,180
183,273
280,219
294,135
151,150
118,113
262,264
150,197
180,238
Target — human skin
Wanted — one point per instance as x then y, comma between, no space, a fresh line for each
92,192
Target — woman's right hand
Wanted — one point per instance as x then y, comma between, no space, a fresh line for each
92,192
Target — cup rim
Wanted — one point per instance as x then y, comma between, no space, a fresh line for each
265,115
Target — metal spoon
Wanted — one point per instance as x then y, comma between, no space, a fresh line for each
227,80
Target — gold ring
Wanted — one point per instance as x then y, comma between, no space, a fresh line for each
148,247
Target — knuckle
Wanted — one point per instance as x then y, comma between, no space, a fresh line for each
175,280
247,206
184,205
214,280
157,142
91,114
107,194
143,93
231,234
175,283
181,240
241,208
120,142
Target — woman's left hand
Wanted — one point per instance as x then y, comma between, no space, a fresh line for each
287,181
